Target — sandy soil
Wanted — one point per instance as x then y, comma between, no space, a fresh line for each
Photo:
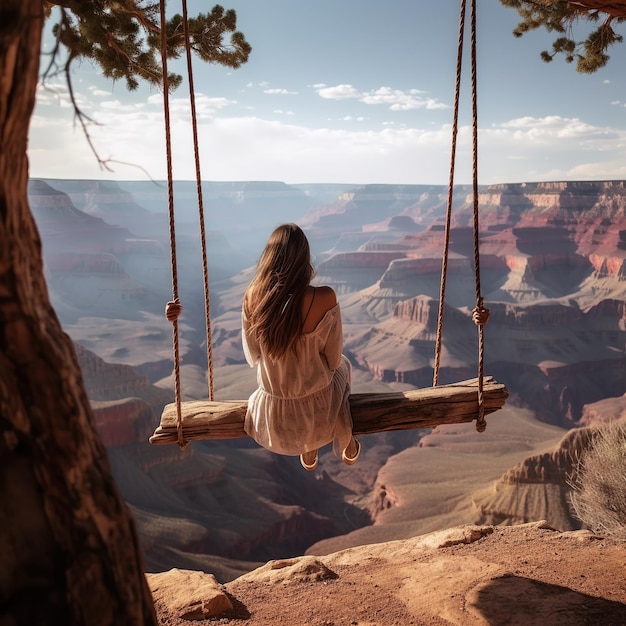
467,576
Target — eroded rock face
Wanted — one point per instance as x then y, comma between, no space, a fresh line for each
552,271
63,227
105,382
538,487
552,261
124,402
214,507
553,357
606,410
554,466
123,422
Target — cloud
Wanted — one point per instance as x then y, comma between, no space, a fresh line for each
247,147
395,99
401,100
57,95
181,104
238,148
280,92
554,128
96,91
339,92
532,146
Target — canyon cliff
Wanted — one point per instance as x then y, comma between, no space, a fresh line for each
552,264
552,275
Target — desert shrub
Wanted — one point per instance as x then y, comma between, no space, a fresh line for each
598,495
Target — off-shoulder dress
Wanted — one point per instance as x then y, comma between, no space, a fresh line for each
301,403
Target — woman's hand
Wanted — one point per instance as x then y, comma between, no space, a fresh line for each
480,315
172,310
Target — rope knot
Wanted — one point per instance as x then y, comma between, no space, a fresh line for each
480,315
173,309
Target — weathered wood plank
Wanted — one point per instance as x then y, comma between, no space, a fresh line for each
371,412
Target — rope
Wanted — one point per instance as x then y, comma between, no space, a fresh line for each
446,245
170,195
205,264
480,315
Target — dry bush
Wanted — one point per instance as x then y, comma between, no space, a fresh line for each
598,495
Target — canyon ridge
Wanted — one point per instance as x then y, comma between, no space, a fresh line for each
553,275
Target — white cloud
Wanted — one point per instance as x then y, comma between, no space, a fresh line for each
280,92
338,92
57,95
552,127
250,148
395,99
401,100
118,107
95,91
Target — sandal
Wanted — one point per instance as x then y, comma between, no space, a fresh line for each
351,460
309,468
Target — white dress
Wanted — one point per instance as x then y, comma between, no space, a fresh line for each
302,400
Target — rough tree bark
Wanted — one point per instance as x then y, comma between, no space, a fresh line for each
68,545
615,9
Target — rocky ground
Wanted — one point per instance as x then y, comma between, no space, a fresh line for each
466,576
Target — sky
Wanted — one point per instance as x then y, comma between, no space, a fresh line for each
353,92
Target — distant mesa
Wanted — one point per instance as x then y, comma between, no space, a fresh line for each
553,274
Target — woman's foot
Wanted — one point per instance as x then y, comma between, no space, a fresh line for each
308,460
350,455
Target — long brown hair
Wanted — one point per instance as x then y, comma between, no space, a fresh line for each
273,301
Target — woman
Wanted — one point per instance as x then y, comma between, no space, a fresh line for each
292,332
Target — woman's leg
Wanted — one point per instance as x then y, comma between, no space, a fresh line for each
352,452
308,460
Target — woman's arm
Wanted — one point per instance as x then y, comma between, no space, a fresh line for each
334,342
250,345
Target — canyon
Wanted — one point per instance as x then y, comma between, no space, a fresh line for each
553,275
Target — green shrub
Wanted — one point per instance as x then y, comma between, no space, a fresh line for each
598,495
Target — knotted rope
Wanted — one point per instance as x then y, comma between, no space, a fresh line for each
480,314
446,241
196,151
174,308
170,208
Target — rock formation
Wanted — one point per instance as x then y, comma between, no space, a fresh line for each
552,274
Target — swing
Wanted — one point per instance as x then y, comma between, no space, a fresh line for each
455,403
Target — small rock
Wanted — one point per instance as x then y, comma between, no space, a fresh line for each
189,595
300,569
454,536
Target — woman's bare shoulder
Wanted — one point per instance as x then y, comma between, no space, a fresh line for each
324,300
327,296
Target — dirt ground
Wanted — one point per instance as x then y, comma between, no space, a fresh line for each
466,576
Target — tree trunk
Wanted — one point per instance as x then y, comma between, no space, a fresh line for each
69,548
614,9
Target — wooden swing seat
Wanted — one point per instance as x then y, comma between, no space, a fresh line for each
371,412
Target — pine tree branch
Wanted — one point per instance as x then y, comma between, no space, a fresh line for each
559,16
122,37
